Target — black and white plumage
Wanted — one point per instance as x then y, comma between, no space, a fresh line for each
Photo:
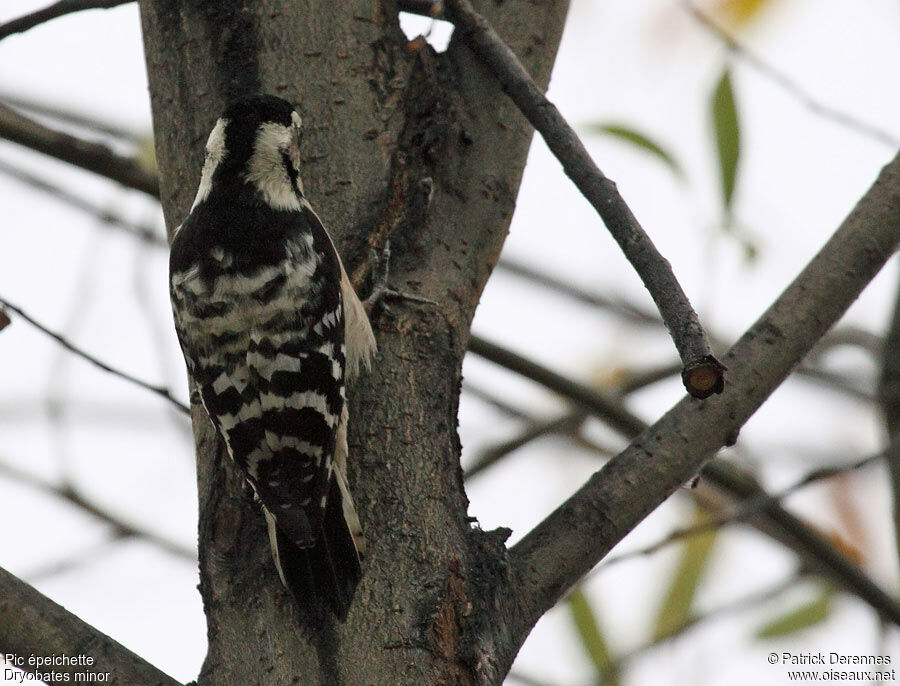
271,328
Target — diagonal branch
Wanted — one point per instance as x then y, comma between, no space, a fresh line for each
121,528
889,399
608,408
787,84
143,232
702,373
621,307
70,116
754,503
572,539
764,511
748,602
57,9
33,625
846,335
93,157
158,390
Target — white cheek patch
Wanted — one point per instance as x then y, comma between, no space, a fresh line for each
215,153
266,168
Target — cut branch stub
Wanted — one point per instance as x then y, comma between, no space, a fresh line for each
704,378
653,269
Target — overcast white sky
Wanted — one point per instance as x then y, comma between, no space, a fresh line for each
642,63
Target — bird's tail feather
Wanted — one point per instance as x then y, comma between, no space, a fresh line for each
330,569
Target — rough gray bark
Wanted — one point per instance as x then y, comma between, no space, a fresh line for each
379,119
35,626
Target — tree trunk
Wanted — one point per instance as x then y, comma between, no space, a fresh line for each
380,119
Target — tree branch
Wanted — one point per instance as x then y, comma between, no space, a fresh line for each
750,601
847,335
144,233
764,512
889,397
71,116
607,408
787,84
702,373
762,509
57,9
158,390
121,528
623,308
32,624
93,157
754,503
572,539
567,423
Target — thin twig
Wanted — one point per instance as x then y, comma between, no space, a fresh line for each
623,308
703,375
57,9
158,390
564,424
740,486
140,231
839,382
743,510
70,116
607,408
820,553
787,84
93,157
86,555
748,602
494,400
846,335
889,398
568,423
121,528
580,532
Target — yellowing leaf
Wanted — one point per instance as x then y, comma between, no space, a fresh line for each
592,637
640,141
801,617
726,129
675,611
736,13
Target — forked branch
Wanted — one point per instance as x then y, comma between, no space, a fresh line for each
572,539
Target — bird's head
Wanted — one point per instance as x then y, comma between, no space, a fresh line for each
256,141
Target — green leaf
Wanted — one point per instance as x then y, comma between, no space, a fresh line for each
802,617
639,140
592,637
728,136
675,612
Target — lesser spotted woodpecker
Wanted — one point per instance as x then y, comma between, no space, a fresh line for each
271,329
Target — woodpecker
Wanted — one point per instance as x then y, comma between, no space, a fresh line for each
271,329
